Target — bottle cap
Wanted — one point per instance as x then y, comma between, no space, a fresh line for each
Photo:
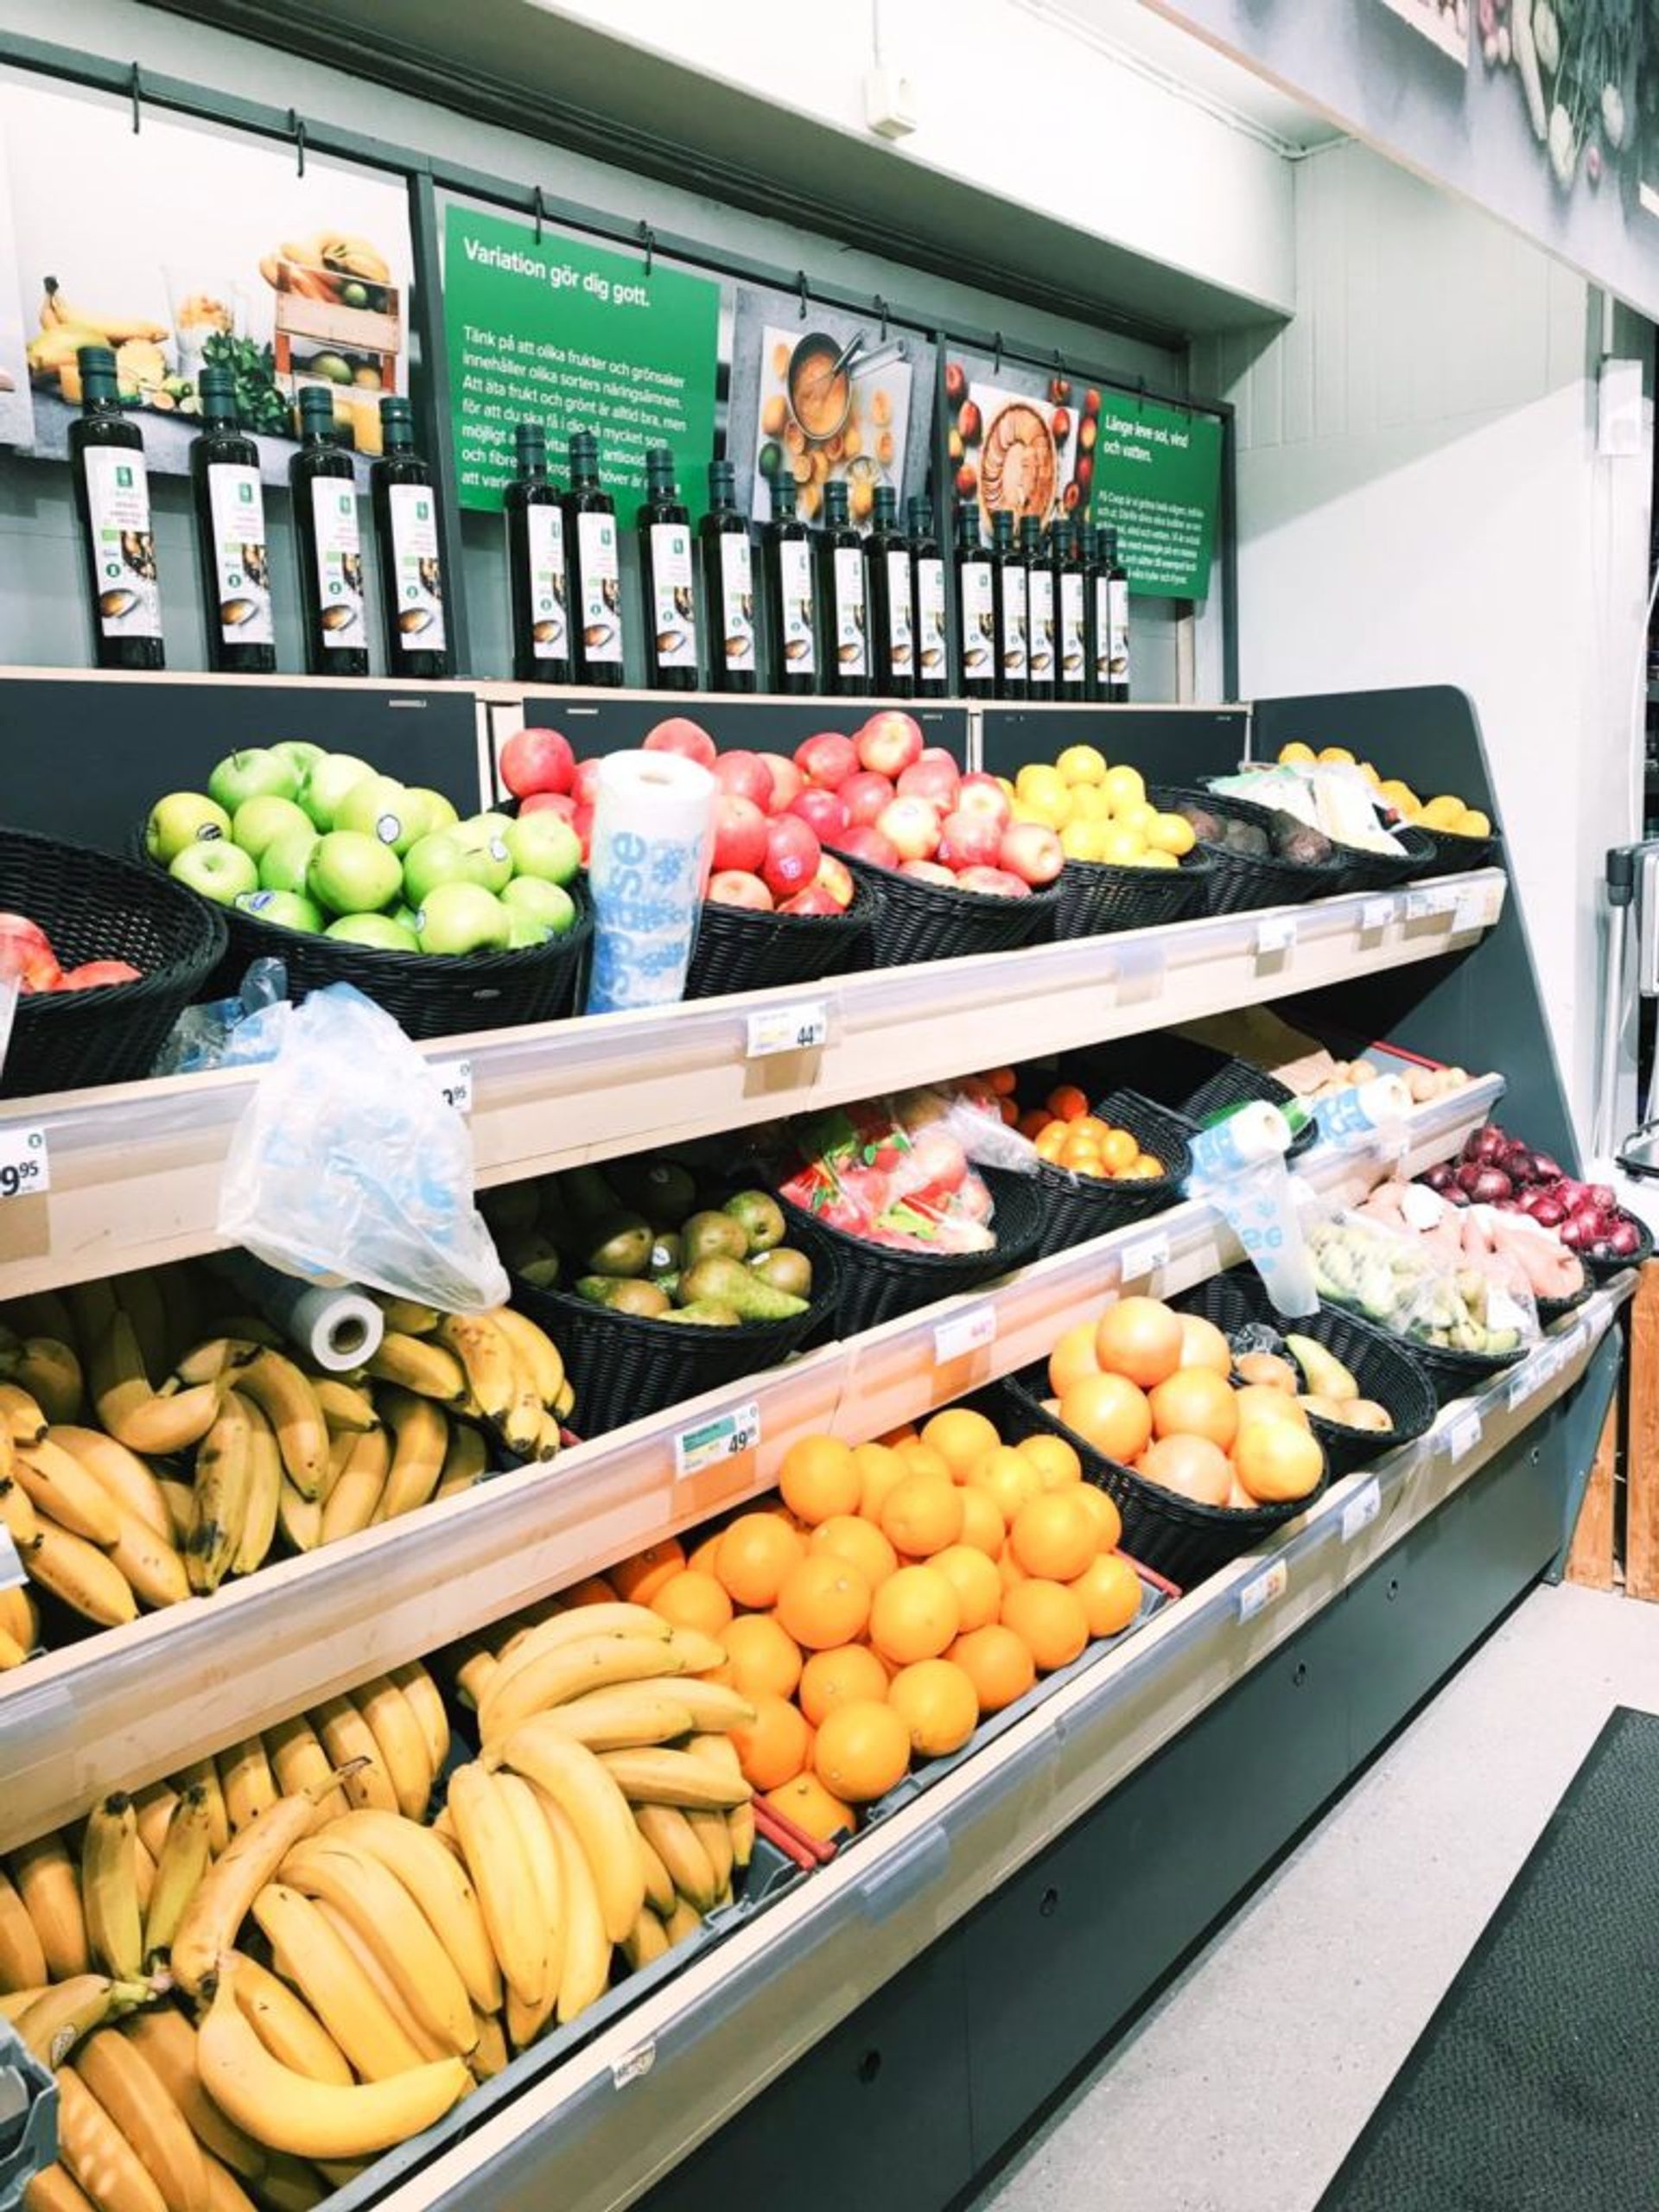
1002,528
968,523
317,411
660,469
1064,535
396,424
722,483
530,440
919,513
217,387
1108,545
1031,534
887,506
834,503
96,366
783,497
584,455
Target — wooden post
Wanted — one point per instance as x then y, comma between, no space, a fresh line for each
1641,1447
1590,1561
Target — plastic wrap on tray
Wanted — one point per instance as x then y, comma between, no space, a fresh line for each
898,1171
1332,799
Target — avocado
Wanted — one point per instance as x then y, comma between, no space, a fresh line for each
528,1249
761,1217
617,1244
586,1195
785,1269
729,1282
542,1274
706,1314
660,1189
509,1207
622,1296
713,1237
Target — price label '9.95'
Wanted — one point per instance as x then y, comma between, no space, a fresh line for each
25,1169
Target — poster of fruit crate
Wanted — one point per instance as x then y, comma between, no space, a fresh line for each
194,245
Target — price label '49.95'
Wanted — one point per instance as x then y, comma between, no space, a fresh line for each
25,1169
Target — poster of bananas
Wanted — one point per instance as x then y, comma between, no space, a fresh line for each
183,246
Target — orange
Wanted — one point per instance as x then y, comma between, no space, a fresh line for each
1266,1401
1092,1127
824,1602
1191,1465
922,1515
1108,1412
1032,1124
766,1660
1002,1081
1009,1569
1140,1340
915,1614
860,1542
1110,1590
829,1677
1049,1140
1142,1169
702,1559
1049,1620
693,1599
1073,1358
1119,1150
1010,1113
879,1467
756,1552
862,1749
1195,1402
997,1664
820,1477
893,1438
961,1437
976,1581
1204,1345
1055,1460
921,1458
639,1577
1007,1478
1066,1103
1109,1522
593,1590
1082,1156
938,1703
775,1744
809,1805
1053,1537
983,1525
1276,1460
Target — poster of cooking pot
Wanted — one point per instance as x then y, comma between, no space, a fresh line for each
826,396
280,278
1019,436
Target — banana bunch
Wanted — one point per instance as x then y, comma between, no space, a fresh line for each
496,1367
339,251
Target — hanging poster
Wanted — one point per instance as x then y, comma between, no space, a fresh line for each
1018,436
16,411
1157,482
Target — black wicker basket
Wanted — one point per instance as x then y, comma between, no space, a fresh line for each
1078,1207
94,906
1234,1084
876,1281
915,921
1197,1083
1097,899
1173,1536
1388,1372
1368,871
748,949
1238,881
1450,854
1603,1270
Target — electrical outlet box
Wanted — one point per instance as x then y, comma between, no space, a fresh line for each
891,109
1618,409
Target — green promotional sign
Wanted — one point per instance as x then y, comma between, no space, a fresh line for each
1158,483
578,337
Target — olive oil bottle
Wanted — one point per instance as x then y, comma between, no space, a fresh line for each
1012,665
792,598
1117,620
927,603
728,585
595,567
106,453
231,543
405,507
323,485
668,575
841,595
538,582
1039,609
886,594
1072,600
976,636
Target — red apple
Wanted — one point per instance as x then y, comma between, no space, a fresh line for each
549,803
983,794
537,760
913,825
1032,851
94,974
824,810
737,887
995,882
585,789
815,900
889,742
680,734
929,871
826,759
968,841
936,781
740,835
26,952
792,855
582,822
836,878
786,779
745,775
864,841
865,795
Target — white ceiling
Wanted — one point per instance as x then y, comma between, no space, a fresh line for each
1136,31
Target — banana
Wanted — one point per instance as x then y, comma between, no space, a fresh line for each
244,1776
491,2057
406,1317
418,1686
155,1572
49,1371
349,1742
204,1776
18,1616
50,1888
475,1669
341,1445
60,2016
714,1707
550,1440
109,1889
535,1350
685,1922
526,2022
98,2154
17,1514
84,1577
669,1778
712,1833
180,1501
495,1859
41,1313
425,2046
125,2084
224,1487
216,1359
53,2188
350,1505
266,1477
679,1848
287,2026
289,2184
299,1518
131,1411
346,1406
569,1671
579,1782
739,1819
587,1969
143,1872
439,1886
139,1296
647,1943
24,1421
366,1892
59,1485
615,1618
429,1369
624,1717
421,1431
300,1763
92,1309
23,1962
12,1654
309,1952
213,1916
121,1475
155,1805
282,1391
565,1404
401,1743
466,1459
659,1886
224,2192
168,2042
114,330
181,1865
314,2119
484,1354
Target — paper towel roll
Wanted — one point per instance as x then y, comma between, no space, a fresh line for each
1366,1107
1257,1131
337,1329
653,836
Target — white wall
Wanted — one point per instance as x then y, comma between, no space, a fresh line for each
1421,501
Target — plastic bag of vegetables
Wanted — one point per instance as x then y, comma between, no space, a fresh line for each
1393,1277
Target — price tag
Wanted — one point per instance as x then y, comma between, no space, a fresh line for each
1146,1255
1462,1434
455,1082
787,1029
1472,910
1274,933
1362,1509
25,1169
1527,1380
634,2065
11,1567
1263,1590
1376,914
1423,906
963,1333
724,1436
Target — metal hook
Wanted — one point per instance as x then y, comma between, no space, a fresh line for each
1059,363
137,98
648,240
882,309
297,125
1140,394
539,212
996,337
800,282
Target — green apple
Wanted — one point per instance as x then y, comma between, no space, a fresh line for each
485,858
378,806
351,873
523,931
543,845
435,860
379,931
286,858
546,903
256,774
286,908
406,918
327,782
182,818
218,870
462,917
256,822
300,755
428,810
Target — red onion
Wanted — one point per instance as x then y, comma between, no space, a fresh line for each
1516,1163
1485,1185
1440,1175
1604,1197
1545,1170
1547,1210
1455,1195
1626,1237
1484,1147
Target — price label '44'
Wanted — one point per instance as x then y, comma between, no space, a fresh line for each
724,1436
25,1168
787,1029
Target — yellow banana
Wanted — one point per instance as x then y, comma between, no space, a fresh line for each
349,1741
84,1577
23,1962
526,2022
406,1317
213,1916
476,1667
535,1350
350,1504
180,1501
25,1422
248,1784
299,1518
401,1743
121,1474
624,1717
739,1819
139,1296
266,1477
17,1514
59,1485
98,2154
114,330
216,1359
466,1458
181,1865
565,1404
309,1953
168,2042
224,1487
669,1778
314,2119
421,1431
155,1805
287,2026
679,1848
18,1616
714,1707
648,1942
495,1860
439,1886
425,2045
301,1764
109,1889
548,1440
366,1893
12,1654
203,1775
224,2192
347,1407
587,1969
125,2084
712,1833
569,1671
492,2054
659,1885
61,2017
579,1782
282,1391
155,1571
131,1411
685,1922
426,1704
143,1872
55,2188
50,1372
431,1369
483,1352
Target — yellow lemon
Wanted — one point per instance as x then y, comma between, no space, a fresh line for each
1402,797
1123,848
1139,817
1444,813
1039,783
1088,804
1296,753
1152,858
1078,841
1475,824
1023,810
1082,764
1337,755
1005,787
1125,787
1171,834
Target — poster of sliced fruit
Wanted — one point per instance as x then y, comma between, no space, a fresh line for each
16,408
184,245
1019,436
